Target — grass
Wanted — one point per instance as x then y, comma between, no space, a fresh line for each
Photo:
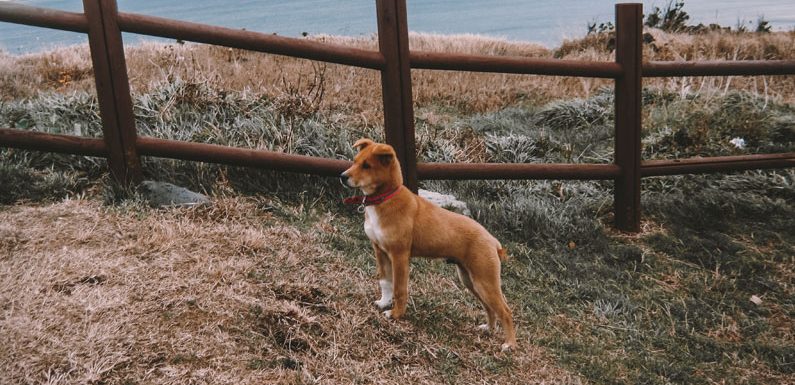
274,281
261,289
258,293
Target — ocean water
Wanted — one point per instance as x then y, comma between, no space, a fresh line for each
547,22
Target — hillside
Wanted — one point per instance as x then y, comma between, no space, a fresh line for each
273,282
229,294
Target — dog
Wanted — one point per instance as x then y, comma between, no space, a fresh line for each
401,224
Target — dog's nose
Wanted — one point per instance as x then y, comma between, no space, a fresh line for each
344,179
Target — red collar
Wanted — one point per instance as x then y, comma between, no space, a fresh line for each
369,200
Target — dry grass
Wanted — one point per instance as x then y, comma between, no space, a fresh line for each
715,45
224,294
356,92
348,89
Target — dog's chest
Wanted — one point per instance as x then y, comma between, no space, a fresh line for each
372,225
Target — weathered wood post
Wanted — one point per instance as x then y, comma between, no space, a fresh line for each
113,90
629,30
393,42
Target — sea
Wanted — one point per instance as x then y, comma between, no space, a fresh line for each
547,22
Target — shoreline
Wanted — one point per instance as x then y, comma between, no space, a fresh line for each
344,39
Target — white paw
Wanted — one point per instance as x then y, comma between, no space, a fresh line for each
484,328
386,294
507,347
388,314
383,303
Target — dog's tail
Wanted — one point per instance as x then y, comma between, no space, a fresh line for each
503,254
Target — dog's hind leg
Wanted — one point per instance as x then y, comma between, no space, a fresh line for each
486,281
463,275
384,270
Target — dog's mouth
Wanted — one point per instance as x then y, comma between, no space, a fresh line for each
345,181
367,188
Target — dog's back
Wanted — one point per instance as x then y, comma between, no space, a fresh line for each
441,233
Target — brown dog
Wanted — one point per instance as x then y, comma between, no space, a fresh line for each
401,224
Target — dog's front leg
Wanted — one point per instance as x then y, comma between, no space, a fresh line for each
384,269
400,284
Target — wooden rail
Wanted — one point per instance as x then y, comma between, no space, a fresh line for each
123,148
64,144
513,65
234,156
719,68
43,17
252,41
452,171
716,164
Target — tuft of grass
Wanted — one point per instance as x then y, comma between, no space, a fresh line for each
706,126
21,184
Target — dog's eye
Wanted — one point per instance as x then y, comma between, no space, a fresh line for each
365,165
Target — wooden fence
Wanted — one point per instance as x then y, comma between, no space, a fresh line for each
123,148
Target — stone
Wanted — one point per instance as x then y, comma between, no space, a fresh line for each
446,201
162,194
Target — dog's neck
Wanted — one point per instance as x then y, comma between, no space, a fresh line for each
392,183
385,188
372,199
377,199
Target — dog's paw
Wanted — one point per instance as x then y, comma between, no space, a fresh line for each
507,347
393,314
383,303
485,328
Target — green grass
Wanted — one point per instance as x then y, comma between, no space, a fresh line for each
673,305
670,305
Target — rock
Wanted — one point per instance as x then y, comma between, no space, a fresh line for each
446,201
162,194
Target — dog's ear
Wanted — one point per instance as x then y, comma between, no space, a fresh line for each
362,143
385,153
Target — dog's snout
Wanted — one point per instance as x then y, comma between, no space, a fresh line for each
344,180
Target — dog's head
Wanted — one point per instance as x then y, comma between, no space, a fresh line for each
374,167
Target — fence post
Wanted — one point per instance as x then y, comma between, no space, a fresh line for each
629,30
393,42
113,90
